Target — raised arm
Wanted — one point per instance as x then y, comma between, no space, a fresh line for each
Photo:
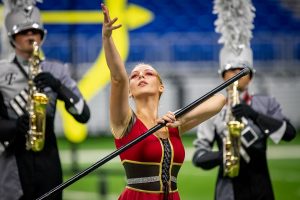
119,103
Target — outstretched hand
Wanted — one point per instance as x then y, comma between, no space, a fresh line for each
108,27
169,119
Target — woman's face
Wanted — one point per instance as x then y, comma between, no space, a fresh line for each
243,81
145,80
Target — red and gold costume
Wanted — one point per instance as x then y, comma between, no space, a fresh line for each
151,163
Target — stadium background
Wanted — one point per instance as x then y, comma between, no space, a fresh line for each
178,38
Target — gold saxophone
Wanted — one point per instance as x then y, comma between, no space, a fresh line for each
36,105
232,142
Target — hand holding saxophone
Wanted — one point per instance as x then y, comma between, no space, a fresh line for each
45,79
244,110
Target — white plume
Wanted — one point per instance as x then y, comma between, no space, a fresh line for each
234,23
11,4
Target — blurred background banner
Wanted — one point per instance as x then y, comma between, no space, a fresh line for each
178,38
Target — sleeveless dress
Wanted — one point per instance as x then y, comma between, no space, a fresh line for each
146,166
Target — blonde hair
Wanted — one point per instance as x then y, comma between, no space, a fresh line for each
148,65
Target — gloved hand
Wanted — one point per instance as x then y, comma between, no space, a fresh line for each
45,79
23,124
244,110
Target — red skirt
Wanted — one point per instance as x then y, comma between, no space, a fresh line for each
130,194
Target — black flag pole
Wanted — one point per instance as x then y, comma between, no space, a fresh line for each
117,152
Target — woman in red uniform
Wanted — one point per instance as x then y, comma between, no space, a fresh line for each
152,165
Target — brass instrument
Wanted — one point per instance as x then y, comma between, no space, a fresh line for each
232,142
36,105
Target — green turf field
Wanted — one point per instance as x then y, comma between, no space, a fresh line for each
194,184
